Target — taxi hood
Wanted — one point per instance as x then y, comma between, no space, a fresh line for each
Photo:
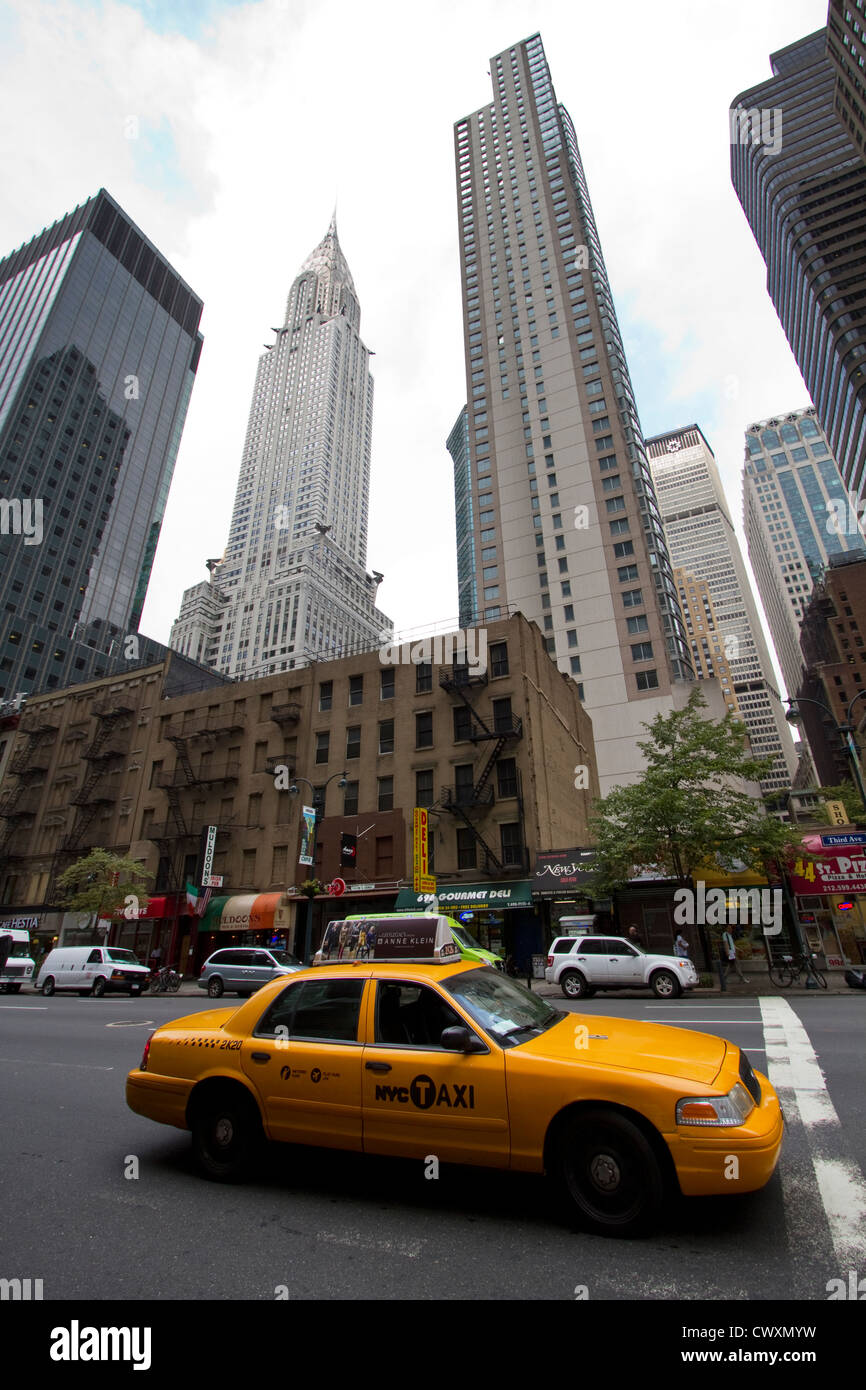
631,1044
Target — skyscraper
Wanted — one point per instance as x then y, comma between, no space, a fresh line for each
706,639
701,541
292,585
99,345
804,194
846,49
556,513
796,515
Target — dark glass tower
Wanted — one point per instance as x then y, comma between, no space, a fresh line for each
99,344
804,194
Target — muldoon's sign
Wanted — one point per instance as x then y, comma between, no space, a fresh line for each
559,869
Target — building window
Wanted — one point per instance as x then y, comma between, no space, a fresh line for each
424,729
499,659
462,724
506,777
503,720
353,742
465,849
385,798
647,680
632,598
386,685
512,849
350,799
642,651
356,690
386,736
322,742
423,678
326,695
424,787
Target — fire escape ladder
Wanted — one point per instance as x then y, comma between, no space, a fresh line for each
491,863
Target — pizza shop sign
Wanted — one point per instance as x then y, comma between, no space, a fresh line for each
828,873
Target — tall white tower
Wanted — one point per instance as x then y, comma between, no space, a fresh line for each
701,540
292,586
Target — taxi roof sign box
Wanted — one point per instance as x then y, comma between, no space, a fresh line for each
425,940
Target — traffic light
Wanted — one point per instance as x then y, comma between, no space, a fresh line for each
348,850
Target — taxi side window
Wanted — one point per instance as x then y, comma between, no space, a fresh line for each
315,1010
412,1015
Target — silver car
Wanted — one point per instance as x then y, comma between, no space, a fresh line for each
244,969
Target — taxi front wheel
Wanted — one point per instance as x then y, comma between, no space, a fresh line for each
226,1136
609,1173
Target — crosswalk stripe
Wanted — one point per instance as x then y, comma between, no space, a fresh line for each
794,1071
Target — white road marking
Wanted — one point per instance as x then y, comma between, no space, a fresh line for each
410,1248
35,1062
134,1023
793,1069
24,1008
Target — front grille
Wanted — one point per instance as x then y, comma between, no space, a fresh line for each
11,969
749,1079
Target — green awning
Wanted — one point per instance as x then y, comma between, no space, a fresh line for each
464,897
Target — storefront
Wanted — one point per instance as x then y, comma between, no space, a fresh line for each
560,887
244,919
149,936
501,916
829,884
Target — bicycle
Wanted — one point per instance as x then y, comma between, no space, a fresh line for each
789,969
165,981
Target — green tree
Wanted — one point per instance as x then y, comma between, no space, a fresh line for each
848,794
684,815
100,882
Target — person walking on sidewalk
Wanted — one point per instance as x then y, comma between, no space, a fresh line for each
681,947
728,952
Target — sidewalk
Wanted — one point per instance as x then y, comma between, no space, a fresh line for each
758,984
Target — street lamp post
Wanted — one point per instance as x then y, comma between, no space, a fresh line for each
845,732
294,790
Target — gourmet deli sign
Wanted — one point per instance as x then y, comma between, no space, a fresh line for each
559,869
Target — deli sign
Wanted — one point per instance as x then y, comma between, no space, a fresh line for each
828,873
559,869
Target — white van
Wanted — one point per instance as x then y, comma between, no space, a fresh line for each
19,968
92,970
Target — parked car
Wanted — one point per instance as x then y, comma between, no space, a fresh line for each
94,970
581,965
244,969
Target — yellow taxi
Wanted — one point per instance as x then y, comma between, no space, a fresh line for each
392,1044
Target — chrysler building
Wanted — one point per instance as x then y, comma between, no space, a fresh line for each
292,585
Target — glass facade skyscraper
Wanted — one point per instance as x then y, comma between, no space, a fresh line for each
292,586
99,345
556,511
804,194
797,515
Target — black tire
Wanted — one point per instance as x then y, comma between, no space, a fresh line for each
135,991
215,987
98,987
175,984
608,1172
780,975
665,985
48,986
820,977
573,985
226,1135
15,989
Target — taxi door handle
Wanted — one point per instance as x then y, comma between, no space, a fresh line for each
260,1056
378,1066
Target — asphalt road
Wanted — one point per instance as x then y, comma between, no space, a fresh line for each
333,1226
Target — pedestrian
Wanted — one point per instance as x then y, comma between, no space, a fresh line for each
681,947
731,953
723,965
633,936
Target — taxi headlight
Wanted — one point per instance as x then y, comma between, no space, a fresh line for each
721,1112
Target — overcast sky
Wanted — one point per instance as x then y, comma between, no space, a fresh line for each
253,118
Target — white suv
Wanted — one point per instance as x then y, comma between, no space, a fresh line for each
580,965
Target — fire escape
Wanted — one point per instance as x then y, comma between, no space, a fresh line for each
108,747
29,764
472,802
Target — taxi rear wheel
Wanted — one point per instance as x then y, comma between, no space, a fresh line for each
226,1135
610,1174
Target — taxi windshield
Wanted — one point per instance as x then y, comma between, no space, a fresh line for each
509,1012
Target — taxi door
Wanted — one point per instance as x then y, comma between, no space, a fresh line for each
304,1059
421,1099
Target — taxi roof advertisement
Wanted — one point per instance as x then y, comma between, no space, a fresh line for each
371,938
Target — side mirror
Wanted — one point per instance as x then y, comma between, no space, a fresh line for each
461,1039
